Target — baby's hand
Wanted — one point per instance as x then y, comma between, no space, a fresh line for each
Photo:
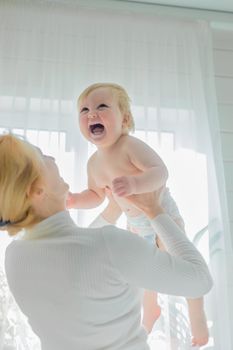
71,200
124,186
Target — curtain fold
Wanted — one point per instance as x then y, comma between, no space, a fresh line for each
49,52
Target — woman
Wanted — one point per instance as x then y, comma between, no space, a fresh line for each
81,288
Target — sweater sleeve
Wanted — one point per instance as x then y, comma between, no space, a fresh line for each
181,270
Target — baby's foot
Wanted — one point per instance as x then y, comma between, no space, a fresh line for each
150,317
200,333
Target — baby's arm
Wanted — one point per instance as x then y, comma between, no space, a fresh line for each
86,199
89,198
152,174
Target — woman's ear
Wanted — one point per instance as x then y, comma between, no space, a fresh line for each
36,191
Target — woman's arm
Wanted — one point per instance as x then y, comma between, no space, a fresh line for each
112,212
179,271
109,215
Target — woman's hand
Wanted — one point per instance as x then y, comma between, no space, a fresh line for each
112,212
148,203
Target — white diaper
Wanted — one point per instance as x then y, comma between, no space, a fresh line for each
170,206
141,225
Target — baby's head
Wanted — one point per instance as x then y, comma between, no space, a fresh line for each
122,99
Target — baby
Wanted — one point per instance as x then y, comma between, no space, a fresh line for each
125,165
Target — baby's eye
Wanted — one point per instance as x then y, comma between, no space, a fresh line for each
84,110
102,106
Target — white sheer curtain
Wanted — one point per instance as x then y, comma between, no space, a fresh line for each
49,52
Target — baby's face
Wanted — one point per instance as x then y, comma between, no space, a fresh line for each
100,118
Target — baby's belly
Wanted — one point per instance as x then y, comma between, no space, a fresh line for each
128,209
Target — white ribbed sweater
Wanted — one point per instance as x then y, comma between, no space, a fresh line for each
81,288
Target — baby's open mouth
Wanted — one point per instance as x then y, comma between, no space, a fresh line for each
96,129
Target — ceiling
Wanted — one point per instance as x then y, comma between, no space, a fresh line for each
213,5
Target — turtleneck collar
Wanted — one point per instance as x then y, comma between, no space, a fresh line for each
58,224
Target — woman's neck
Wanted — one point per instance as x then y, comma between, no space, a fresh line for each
49,208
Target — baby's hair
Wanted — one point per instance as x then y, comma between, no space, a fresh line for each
122,98
20,168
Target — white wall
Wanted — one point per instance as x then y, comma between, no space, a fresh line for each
223,64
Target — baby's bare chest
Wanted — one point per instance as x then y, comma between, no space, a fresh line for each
106,169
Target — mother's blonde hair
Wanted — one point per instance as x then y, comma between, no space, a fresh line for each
122,98
20,168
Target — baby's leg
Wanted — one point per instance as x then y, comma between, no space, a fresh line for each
151,309
197,317
199,329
